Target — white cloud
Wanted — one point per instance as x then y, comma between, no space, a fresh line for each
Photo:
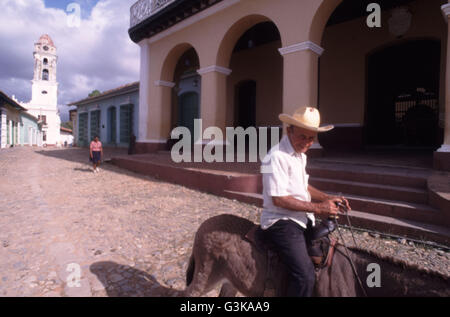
97,55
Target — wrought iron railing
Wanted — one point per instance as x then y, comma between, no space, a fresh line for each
143,9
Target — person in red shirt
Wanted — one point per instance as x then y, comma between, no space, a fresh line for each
96,152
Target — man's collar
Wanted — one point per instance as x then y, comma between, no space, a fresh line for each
288,148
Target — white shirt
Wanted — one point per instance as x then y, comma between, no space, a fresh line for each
284,174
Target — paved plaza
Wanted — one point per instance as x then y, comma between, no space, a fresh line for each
65,231
130,235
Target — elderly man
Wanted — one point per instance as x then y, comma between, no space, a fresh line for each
290,203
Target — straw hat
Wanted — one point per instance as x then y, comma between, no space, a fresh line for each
306,118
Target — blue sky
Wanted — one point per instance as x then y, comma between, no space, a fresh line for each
96,54
86,5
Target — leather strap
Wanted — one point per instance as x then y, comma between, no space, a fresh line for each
330,254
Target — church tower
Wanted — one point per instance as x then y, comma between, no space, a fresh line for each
44,96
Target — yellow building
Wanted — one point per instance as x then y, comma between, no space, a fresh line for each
380,74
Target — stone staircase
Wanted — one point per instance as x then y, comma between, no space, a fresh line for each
391,199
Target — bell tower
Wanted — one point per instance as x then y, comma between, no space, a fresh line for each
44,90
45,87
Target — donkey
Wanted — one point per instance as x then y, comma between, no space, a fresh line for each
222,254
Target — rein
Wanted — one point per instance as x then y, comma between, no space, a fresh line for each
346,250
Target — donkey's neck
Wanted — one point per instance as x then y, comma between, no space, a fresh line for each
387,276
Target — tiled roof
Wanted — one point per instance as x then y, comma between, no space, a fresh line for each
10,101
112,92
46,39
65,129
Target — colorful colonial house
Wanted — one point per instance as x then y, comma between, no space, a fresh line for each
111,115
17,126
377,70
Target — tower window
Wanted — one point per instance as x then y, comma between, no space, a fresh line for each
43,119
44,92
45,74
45,61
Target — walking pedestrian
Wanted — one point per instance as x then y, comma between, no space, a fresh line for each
96,152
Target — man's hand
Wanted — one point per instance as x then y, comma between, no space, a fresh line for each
342,201
328,207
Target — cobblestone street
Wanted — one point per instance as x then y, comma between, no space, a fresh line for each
130,235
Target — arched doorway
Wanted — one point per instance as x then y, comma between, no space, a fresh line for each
403,94
186,93
256,83
382,87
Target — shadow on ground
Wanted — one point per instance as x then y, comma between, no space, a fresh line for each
126,281
81,155
87,170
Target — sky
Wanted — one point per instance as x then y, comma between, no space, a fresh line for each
97,53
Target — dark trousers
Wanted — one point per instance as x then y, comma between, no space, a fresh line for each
290,241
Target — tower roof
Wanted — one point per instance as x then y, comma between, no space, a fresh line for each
46,39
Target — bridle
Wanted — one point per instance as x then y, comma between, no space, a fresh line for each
345,246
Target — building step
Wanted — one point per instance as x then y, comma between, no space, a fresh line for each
399,227
204,180
403,177
397,209
382,207
397,193
370,221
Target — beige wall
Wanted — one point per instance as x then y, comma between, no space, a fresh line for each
264,65
286,82
343,63
214,37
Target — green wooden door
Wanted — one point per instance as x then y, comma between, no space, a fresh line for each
14,133
112,125
83,129
95,124
188,111
126,123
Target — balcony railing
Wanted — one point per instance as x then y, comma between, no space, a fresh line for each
143,9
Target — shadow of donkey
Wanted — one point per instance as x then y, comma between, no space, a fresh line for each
126,281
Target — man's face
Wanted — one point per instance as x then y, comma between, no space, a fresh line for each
301,139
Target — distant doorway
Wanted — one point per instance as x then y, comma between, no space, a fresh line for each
83,129
188,111
112,125
403,95
246,104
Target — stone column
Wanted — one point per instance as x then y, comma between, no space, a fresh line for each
10,127
442,155
3,128
19,132
144,89
154,106
160,119
300,80
213,96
